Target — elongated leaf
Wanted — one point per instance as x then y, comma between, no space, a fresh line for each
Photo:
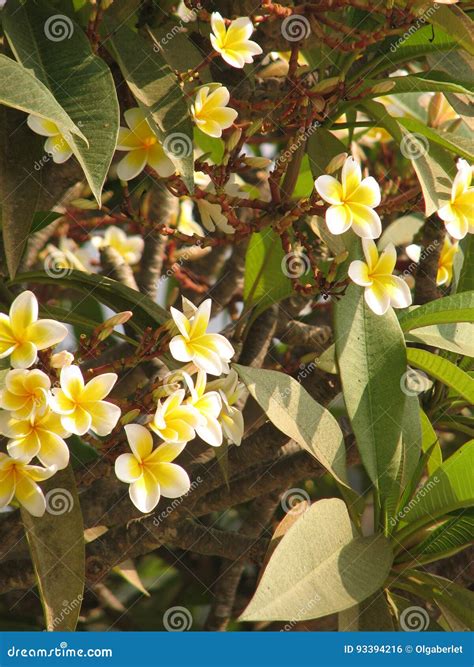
454,308
179,51
456,23
451,487
380,114
447,539
320,567
56,542
444,371
371,614
429,443
454,143
434,169
80,81
463,263
21,90
109,292
321,148
292,410
457,337
423,82
156,88
265,281
370,352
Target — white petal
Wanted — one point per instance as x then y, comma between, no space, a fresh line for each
145,493
173,480
140,440
338,219
329,189
127,468
377,298
358,273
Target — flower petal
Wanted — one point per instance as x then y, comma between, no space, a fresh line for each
160,162
359,273
127,140
145,493
46,333
42,126
7,489
387,261
329,189
165,453
338,219
30,496
351,177
127,468
173,480
140,440
78,422
370,253
180,349
368,193
365,221
72,382
104,416
181,321
23,311
53,451
377,298
99,387
132,164
398,291
24,355
210,432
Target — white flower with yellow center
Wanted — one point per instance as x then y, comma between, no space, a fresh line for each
233,43
208,404
210,352
26,393
81,406
382,289
174,420
444,275
22,334
130,248
458,214
18,479
230,418
210,111
143,146
150,472
186,223
352,201
39,435
55,145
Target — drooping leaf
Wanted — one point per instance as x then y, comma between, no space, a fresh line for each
56,542
80,81
320,567
457,337
156,88
444,371
456,23
371,357
292,410
454,308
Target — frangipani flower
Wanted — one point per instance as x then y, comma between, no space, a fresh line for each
458,214
61,359
352,201
26,393
210,111
444,275
56,145
174,420
39,435
18,479
150,472
186,223
382,289
82,406
208,404
143,146
130,248
210,352
230,418
233,43
22,334
211,212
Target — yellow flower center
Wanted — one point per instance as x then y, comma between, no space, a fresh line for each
149,141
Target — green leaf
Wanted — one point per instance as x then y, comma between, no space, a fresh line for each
371,357
370,614
56,542
456,337
447,539
456,23
320,567
429,443
211,146
321,148
80,81
21,90
444,371
265,283
454,308
179,51
451,487
118,297
421,83
434,169
156,88
292,410
42,219
463,263
449,140
379,113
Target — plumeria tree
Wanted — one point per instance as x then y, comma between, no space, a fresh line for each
236,303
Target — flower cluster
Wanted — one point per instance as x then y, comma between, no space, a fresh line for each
193,407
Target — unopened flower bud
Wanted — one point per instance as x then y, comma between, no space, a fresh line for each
85,204
336,163
383,87
61,359
130,416
257,162
233,140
